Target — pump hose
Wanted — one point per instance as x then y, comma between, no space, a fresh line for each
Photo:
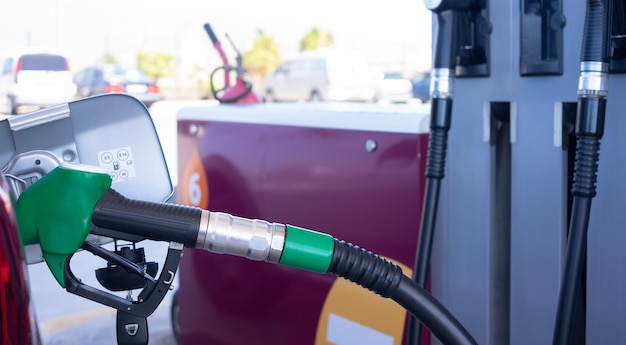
592,91
444,60
441,90
435,171
584,189
386,279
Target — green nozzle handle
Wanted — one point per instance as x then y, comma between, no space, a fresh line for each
55,212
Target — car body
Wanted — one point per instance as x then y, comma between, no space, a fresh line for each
110,78
36,78
18,324
393,87
321,75
421,87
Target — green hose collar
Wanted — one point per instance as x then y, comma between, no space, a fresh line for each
308,250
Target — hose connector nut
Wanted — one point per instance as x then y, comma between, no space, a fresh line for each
442,83
254,239
594,79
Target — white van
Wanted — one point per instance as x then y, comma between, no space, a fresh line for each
322,75
34,78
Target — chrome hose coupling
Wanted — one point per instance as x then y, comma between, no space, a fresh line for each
594,79
254,239
442,83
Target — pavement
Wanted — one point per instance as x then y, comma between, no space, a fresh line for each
98,328
68,319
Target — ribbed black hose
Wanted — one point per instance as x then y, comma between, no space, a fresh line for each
576,253
441,112
431,313
386,279
589,131
584,189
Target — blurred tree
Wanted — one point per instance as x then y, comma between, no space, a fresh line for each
316,38
110,58
155,64
263,57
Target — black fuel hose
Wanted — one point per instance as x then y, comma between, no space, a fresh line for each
386,279
592,92
444,62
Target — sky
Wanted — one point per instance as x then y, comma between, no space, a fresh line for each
394,33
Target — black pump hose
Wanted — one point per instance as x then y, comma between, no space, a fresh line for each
592,91
441,109
386,279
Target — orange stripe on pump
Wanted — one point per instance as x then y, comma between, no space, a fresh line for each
194,186
354,315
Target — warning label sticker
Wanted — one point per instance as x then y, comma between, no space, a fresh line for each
118,163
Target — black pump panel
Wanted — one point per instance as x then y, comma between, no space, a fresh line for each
618,38
473,41
541,41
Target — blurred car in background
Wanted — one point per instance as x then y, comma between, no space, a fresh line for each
97,80
34,78
393,87
324,74
421,87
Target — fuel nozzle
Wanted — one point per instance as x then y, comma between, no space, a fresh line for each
221,233
277,243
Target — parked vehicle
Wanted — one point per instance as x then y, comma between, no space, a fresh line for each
322,75
97,80
34,78
393,87
421,87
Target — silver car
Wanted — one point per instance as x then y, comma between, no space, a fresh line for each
322,75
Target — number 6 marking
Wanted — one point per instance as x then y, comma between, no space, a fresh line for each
194,191
194,185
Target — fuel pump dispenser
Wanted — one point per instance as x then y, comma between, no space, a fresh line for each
239,93
512,236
